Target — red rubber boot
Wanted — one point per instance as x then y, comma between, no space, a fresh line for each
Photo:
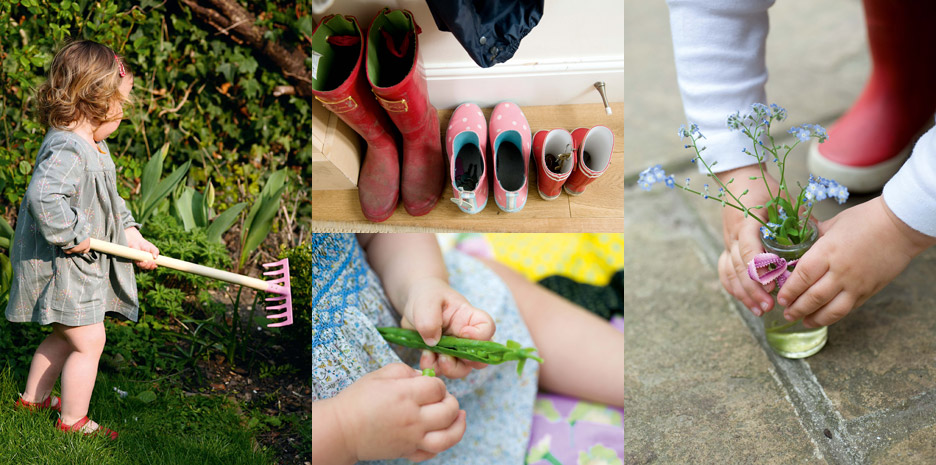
868,144
343,89
399,82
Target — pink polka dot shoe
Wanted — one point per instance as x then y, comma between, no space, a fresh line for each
466,145
510,142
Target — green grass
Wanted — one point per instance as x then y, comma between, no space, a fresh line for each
168,428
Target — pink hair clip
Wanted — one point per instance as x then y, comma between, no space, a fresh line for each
123,72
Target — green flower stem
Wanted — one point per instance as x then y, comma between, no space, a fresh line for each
469,349
740,206
783,177
760,161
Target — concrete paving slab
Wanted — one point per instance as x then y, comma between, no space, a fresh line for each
707,392
917,449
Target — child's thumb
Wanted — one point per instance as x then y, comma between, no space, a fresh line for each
429,326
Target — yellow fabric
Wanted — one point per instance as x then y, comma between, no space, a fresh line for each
588,258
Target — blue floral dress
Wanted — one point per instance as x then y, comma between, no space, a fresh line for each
349,303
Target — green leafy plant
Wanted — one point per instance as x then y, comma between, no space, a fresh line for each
300,274
154,189
260,217
196,210
6,268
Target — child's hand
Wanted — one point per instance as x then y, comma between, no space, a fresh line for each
396,412
82,247
742,239
859,252
434,308
135,241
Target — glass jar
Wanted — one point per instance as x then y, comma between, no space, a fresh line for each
792,339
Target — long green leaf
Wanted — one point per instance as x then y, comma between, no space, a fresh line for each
275,181
6,275
163,189
260,219
151,174
261,225
5,229
184,208
199,210
223,222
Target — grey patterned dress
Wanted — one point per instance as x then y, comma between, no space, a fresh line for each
72,196
348,303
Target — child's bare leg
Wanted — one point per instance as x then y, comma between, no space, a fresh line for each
45,367
584,355
80,370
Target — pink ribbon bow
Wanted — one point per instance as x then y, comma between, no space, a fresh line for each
759,268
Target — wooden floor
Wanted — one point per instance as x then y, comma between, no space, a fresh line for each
599,209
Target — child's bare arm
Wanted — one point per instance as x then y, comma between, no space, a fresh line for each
402,260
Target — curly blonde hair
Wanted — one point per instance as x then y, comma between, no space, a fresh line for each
83,84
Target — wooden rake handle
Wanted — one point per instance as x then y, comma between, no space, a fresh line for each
181,265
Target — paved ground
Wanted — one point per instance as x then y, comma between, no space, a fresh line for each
711,391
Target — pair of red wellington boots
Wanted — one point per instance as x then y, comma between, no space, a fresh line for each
570,161
382,96
870,142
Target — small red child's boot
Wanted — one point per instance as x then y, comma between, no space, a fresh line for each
399,82
593,149
554,153
870,142
344,91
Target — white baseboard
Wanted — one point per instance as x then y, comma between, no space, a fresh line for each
539,83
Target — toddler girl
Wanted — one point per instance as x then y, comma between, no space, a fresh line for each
369,406
71,198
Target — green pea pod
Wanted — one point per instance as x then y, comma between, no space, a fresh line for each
489,352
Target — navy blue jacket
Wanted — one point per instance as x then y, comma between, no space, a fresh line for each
490,30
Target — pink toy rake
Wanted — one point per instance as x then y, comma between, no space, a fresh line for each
279,286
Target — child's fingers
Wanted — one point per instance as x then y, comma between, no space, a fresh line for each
758,297
438,441
428,324
426,389
469,322
395,371
475,365
428,359
807,272
729,280
452,367
813,298
440,415
419,456
831,312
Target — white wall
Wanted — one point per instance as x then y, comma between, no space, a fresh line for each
576,43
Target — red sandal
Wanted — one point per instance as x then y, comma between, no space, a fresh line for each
51,402
78,425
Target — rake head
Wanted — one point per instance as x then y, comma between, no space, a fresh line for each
279,286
